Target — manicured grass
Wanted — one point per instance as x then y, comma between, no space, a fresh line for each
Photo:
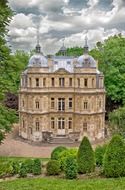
63,184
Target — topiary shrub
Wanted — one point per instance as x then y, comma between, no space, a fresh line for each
29,163
53,167
85,157
72,152
99,154
56,152
36,167
22,170
114,158
71,168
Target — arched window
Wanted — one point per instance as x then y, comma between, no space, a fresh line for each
85,127
85,105
78,82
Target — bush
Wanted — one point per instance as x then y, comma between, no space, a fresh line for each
114,158
53,167
37,167
85,157
72,152
23,170
56,152
15,166
29,163
6,169
99,154
71,168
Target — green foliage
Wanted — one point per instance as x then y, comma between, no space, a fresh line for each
114,158
53,167
6,169
56,152
37,167
22,170
71,168
111,58
30,164
7,118
99,154
85,157
117,121
16,167
72,152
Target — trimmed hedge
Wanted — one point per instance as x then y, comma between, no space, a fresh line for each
114,158
22,170
37,167
72,152
71,168
53,167
6,169
85,157
56,152
99,154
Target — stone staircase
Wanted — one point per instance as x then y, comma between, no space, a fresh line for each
61,139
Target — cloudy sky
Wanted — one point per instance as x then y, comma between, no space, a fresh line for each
69,19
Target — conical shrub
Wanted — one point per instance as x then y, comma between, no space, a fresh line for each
114,158
85,157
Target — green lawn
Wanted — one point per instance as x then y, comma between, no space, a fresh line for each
62,184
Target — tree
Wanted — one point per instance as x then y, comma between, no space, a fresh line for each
85,157
114,158
117,121
111,56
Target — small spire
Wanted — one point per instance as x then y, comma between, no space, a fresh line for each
38,47
63,49
86,47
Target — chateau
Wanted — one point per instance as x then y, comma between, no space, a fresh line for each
62,97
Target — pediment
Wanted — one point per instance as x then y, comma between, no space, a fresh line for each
62,71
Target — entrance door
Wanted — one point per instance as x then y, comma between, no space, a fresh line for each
61,126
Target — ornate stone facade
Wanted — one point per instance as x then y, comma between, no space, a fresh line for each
61,96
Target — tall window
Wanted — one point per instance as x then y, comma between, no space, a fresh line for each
61,104
70,81
85,127
52,123
44,82
92,82
70,103
61,123
61,82
30,82
52,82
37,125
78,81
85,82
23,103
52,103
85,105
70,123
37,104
23,124
37,82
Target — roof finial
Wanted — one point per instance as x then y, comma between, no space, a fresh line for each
86,48
38,47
